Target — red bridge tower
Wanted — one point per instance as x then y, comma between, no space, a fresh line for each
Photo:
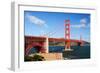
67,34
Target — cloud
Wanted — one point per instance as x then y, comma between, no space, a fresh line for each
35,20
82,24
76,26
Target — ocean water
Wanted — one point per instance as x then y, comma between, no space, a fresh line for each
79,52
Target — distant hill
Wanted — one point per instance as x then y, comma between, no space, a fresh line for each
63,43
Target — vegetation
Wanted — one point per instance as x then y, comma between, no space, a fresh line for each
36,57
28,58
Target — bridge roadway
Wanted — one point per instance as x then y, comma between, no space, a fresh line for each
37,38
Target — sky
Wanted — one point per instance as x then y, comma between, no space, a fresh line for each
51,24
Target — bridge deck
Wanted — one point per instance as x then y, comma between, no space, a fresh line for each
37,38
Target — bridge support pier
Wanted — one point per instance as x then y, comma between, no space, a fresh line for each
47,45
68,49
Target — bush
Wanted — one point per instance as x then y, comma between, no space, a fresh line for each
34,58
28,58
38,58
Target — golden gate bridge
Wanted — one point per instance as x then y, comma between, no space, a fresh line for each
41,42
